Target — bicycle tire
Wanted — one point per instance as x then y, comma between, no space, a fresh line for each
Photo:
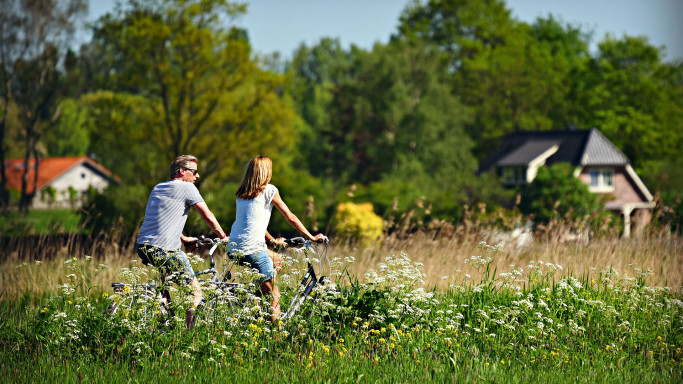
111,309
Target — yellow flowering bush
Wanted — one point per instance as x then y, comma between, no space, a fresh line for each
358,222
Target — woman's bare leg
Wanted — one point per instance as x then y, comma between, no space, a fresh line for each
277,260
197,298
269,288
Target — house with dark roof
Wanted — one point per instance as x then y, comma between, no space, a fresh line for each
68,178
598,163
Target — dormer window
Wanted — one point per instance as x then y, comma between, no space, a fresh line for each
601,180
514,175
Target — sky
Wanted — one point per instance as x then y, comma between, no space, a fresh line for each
282,25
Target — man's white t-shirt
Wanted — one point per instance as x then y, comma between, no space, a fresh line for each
166,213
248,232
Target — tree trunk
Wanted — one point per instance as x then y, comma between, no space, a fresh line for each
26,198
4,193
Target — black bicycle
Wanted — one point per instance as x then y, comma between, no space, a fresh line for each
315,253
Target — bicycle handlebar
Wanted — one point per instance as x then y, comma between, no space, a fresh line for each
294,241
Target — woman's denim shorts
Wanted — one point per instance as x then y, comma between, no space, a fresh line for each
260,261
168,262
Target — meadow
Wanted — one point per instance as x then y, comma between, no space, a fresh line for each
457,308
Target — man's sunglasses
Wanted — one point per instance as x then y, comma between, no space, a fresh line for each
194,171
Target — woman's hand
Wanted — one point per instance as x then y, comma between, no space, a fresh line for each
320,238
279,242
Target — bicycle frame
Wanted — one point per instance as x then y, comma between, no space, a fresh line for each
308,282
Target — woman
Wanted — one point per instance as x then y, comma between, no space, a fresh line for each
249,235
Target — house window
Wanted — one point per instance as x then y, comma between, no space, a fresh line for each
83,175
514,175
601,180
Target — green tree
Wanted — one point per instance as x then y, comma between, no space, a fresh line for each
314,72
386,119
461,28
70,135
118,140
555,194
635,99
33,39
529,83
194,73
512,75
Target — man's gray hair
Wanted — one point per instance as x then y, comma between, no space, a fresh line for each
182,161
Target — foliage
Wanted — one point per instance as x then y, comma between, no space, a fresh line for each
70,136
48,194
540,76
405,121
533,323
120,207
358,222
665,178
633,101
33,37
556,193
187,65
116,140
386,120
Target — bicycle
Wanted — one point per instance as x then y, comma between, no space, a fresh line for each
220,291
310,279
136,297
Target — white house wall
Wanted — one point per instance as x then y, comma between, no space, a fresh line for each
80,177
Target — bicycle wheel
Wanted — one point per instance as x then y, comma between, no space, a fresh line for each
111,309
140,304
219,304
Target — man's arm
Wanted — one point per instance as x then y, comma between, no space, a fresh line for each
270,240
209,219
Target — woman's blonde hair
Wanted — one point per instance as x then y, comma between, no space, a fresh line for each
257,174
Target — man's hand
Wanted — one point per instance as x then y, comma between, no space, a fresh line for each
191,243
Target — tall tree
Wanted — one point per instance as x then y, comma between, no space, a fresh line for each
314,72
389,114
33,37
524,84
635,99
186,62
461,28
514,76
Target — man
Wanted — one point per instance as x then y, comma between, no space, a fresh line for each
161,234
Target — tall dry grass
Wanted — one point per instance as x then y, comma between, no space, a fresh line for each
36,267
663,255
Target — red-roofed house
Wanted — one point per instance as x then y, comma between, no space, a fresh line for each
61,173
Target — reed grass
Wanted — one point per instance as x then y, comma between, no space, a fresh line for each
662,254
36,266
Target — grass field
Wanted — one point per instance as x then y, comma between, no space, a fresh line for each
39,222
448,310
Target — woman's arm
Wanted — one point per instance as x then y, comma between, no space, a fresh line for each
292,219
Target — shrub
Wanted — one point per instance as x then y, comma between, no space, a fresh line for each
358,222
555,194
121,207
